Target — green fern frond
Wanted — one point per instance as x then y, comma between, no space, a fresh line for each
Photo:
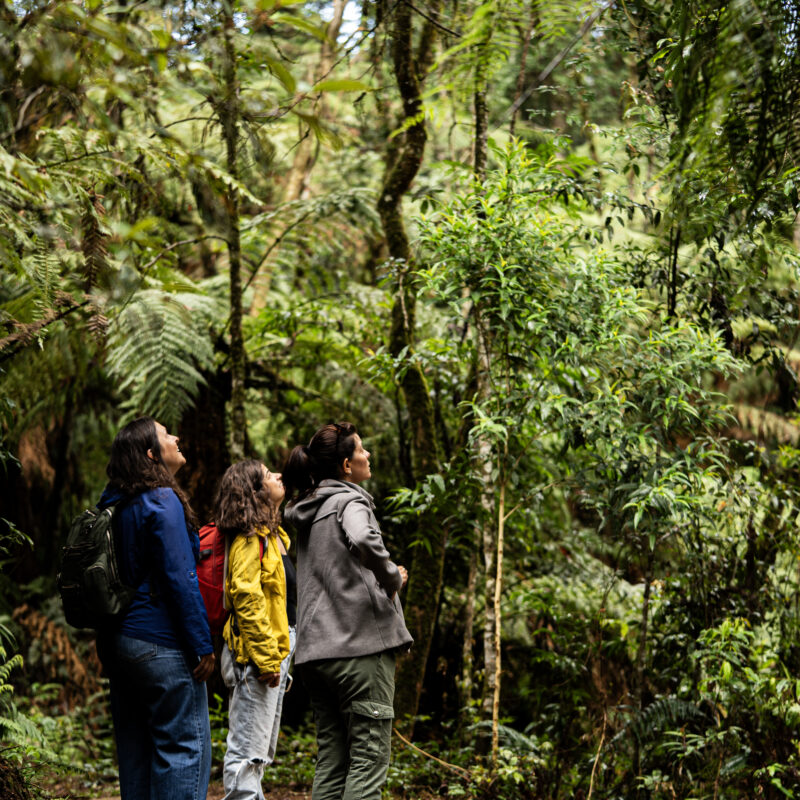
45,382
93,246
12,724
11,729
18,729
7,668
157,348
511,738
42,271
661,715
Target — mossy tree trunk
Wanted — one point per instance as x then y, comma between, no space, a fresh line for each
492,515
228,112
403,162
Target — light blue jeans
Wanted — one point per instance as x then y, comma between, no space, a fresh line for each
254,718
161,724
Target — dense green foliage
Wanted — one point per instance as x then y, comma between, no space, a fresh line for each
571,351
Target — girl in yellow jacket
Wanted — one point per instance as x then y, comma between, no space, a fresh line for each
259,633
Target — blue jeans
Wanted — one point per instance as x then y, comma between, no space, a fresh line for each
161,723
254,718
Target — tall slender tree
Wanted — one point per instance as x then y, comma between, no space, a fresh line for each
411,62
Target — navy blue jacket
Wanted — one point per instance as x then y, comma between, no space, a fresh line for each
158,555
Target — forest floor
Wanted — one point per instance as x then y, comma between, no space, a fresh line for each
73,789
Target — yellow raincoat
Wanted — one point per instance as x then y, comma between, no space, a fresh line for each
257,629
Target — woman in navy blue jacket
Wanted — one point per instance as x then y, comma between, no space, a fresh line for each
159,653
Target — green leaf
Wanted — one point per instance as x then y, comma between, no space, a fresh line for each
285,77
341,86
302,24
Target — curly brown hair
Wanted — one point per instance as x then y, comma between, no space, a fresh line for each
243,504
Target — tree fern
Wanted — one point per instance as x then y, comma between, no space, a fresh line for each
659,717
12,727
93,245
728,74
511,738
158,346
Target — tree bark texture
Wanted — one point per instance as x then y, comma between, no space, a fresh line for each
523,61
498,588
425,574
641,658
204,445
481,117
484,460
465,685
228,111
492,534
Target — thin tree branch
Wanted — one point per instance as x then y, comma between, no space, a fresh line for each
24,337
179,121
24,108
458,770
547,71
152,261
277,241
52,164
432,20
597,757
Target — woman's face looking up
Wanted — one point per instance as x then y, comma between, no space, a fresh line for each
171,456
358,463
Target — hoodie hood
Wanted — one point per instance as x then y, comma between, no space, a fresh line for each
302,513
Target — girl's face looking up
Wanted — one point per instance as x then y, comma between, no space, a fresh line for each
274,486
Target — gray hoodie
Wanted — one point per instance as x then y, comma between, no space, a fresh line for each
347,603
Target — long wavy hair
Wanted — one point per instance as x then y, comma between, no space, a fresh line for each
321,458
132,471
243,504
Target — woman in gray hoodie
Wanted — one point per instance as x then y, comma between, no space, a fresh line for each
349,620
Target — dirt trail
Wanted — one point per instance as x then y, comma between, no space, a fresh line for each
215,792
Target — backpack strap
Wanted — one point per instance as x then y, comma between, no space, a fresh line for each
225,602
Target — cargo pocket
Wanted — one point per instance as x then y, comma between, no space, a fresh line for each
371,726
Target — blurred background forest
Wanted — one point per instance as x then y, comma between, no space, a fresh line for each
543,254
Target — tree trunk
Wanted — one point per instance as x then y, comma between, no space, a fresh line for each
304,154
523,61
228,112
481,123
641,658
484,461
304,159
492,534
498,588
203,444
465,685
425,574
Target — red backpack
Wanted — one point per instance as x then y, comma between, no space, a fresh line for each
211,575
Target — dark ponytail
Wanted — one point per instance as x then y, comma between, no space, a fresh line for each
321,458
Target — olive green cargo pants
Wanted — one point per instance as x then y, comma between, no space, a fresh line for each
352,699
